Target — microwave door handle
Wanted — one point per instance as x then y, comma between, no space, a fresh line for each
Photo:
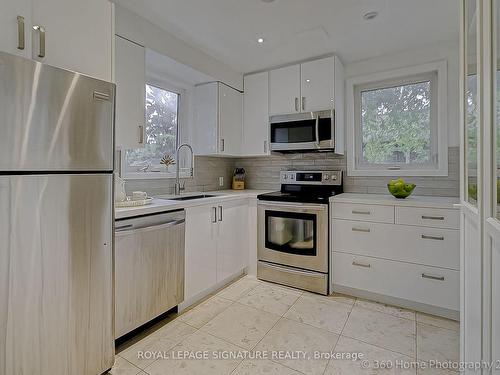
317,131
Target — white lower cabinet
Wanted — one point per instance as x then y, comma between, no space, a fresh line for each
232,246
405,281
404,255
201,249
421,245
216,245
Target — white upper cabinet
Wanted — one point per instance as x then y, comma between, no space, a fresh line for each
206,119
218,123
78,35
230,120
15,27
256,114
70,34
284,90
130,75
317,85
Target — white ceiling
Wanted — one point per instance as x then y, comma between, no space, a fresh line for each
300,29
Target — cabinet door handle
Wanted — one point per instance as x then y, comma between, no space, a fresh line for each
303,103
364,230
425,217
357,264
355,212
439,278
214,217
141,134
437,238
296,104
41,40
220,213
20,33
222,145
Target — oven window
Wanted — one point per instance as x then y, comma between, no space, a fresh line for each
290,232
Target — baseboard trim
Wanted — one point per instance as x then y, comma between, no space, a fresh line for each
211,290
401,302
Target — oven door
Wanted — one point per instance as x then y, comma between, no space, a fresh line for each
304,131
293,234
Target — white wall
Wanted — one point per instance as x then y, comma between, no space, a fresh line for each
442,51
133,27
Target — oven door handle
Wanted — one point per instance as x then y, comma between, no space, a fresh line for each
300,206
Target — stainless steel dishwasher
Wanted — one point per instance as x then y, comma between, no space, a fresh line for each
149,268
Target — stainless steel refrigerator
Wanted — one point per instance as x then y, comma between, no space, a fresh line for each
56,220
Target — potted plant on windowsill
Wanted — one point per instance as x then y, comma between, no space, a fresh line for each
169,162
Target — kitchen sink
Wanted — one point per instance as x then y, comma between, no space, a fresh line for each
191,197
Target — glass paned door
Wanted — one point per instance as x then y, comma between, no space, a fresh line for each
291,232
471,102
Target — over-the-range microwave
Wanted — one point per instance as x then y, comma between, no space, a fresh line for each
309,131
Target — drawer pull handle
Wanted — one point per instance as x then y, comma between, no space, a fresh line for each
439,278
361,212
425,217
364,230
437,238
357,264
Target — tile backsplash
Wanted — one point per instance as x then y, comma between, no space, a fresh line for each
264,172
207,171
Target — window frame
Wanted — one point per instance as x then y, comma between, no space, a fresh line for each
434,72
181,115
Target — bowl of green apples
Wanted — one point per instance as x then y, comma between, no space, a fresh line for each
400,189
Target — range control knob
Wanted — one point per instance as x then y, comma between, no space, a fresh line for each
284,177
326,177
334,177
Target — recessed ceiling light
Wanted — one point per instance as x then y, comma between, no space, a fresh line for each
260,40
370,15
308,80
267,1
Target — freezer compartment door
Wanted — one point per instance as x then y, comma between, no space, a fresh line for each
53,119
56,293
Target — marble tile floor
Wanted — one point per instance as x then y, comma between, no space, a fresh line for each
254,327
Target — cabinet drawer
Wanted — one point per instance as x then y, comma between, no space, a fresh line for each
429,285
429,217
365,212
430,246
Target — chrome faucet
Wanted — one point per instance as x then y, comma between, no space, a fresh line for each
177,187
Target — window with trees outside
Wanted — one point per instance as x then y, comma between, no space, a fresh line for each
396,127
161,130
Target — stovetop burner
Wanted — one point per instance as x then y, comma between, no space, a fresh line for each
306,187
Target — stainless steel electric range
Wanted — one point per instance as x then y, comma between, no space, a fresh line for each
293,230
